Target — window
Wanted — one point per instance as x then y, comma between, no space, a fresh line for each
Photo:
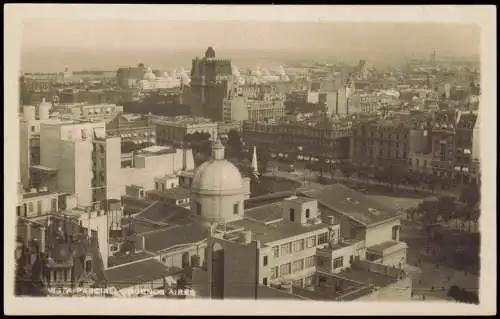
311,242
322,261
351,259
322,238
18,210
286,249
157,187
292,214
236,208
276,251
264,281
274,272
53,204
265,261
309,281
338,262
172,185
298,245
308,212
309,262
298,265
39,207
88,265
395,232
32,129
285,269
198,208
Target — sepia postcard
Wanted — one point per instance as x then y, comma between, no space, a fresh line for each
249,160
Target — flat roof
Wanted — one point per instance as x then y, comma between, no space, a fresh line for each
276,231
366,277
380,248
44,168
37,194
264,292
351,203
265,213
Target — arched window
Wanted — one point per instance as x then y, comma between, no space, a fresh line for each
88,265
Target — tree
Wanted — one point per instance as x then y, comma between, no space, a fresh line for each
346,169
446,207
235,142
470,194
263,157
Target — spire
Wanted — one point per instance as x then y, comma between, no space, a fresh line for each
254,168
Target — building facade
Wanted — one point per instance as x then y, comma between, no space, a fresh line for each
173,130
298,140
211,82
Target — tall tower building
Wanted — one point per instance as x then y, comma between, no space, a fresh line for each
211,82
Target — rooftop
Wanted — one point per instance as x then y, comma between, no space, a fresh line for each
173,193
367,277
353,204
276,231
380,248
164,213
156,150
36,194
174,236
183,120
125,259
130,274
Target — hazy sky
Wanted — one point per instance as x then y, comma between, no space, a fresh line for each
177,36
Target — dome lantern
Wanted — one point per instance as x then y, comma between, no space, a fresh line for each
218,151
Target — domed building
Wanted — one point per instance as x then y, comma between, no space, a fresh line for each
218,189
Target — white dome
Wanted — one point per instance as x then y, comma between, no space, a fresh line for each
217,176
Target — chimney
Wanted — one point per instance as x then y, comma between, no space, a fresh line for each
248,236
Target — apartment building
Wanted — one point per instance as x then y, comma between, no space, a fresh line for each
300,138
380,141
173,130
78,158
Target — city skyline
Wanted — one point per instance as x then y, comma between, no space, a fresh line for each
154,40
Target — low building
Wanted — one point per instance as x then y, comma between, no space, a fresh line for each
136,131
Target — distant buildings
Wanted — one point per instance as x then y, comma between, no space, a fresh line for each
300,139
173,130
380,142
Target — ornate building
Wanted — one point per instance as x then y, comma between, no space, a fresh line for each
211,82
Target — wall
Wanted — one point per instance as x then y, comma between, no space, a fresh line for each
398,291
379,234
346,253
219,206
240,270
113,168
266,271
46,204
49,145
238,109
92,221
173,258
